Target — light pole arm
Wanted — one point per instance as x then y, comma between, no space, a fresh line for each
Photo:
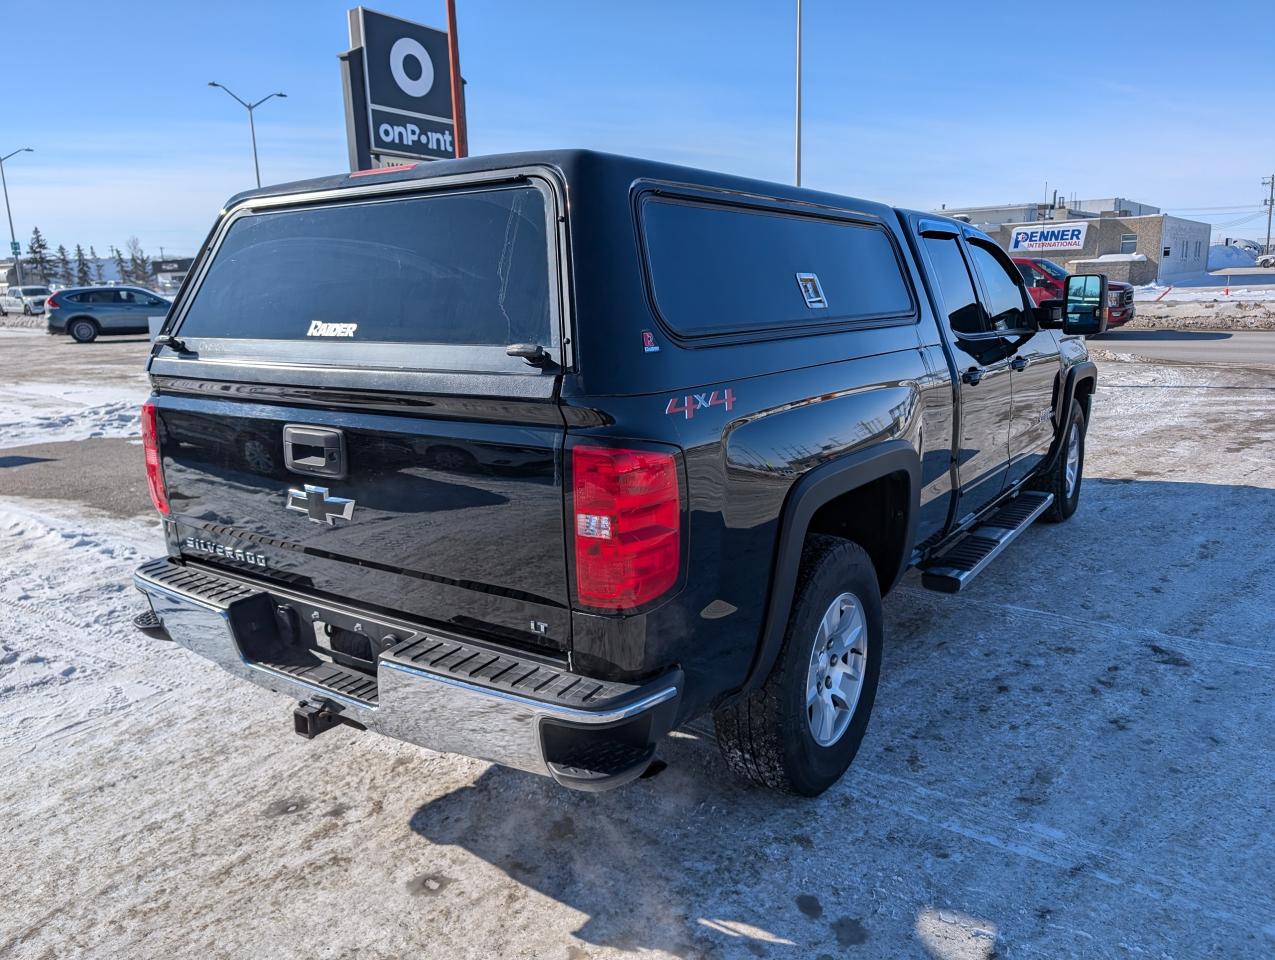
232,93
254,106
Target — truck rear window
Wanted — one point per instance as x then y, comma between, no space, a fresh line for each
719,269
456,268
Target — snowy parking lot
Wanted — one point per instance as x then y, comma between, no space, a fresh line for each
1073,758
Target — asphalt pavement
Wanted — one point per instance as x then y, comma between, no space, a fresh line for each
1193,346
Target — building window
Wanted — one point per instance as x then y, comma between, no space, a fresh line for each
1183,249
1168,251
1128,242
1197,249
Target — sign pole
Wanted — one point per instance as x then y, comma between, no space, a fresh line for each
458,92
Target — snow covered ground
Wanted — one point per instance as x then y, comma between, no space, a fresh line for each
52,389
1072,758
1167,292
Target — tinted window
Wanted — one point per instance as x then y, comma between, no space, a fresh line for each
1029,275
100,296
718,269
462,268
1051,268
955,285
1004,296
36,291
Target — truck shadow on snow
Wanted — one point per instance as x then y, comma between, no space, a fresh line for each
1094,658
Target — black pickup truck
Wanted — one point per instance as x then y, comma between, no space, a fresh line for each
538,457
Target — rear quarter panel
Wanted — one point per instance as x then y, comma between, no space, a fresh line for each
740,465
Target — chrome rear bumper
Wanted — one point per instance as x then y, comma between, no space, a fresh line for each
435,689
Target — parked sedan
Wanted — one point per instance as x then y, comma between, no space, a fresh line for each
86,312
25,300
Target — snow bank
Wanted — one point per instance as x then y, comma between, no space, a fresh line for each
51,412
1222,256
1121,258
1153,291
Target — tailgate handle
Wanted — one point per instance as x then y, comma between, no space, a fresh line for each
315,451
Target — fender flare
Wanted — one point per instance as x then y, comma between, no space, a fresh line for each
808,494
1077,374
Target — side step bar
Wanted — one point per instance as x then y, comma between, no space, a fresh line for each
970,555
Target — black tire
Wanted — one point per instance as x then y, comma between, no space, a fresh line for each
26,309
766,736
82,330
1055,481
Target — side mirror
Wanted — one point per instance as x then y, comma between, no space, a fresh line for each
1085,307
1049,314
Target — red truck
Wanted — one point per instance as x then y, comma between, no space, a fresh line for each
1047,281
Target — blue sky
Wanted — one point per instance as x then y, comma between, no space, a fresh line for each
913,103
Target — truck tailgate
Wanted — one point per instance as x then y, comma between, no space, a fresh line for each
453,521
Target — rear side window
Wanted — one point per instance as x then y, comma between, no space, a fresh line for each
718,269
458,269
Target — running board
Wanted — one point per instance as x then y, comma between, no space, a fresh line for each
970,555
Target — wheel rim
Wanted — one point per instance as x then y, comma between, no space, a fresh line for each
82,330
1073,459
838,664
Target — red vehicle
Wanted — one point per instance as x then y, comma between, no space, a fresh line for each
1047,281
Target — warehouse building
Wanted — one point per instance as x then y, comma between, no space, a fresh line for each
1122,238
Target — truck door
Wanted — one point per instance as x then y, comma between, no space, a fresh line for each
1034,361
983,395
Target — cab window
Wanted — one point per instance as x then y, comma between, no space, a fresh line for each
1004,303
955,285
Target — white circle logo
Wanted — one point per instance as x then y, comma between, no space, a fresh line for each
403,48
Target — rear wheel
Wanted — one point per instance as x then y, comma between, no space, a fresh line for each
802,728
82,330
1064,478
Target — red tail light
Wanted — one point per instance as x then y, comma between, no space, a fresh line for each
52,302
154,469
627,525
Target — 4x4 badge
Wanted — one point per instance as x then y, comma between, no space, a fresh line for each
315,503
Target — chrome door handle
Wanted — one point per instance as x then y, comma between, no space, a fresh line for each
973,376
1018,363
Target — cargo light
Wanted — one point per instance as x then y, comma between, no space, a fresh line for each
154,469
627,525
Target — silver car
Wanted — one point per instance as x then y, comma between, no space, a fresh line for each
26,300
86,312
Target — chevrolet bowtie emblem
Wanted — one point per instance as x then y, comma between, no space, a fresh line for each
315,503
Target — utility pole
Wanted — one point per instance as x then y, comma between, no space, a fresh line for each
252,126
1270,207
797,144
14,247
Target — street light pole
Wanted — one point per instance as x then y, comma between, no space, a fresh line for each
797,139
252,126
15,248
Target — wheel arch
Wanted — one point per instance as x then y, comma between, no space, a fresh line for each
894,463
1080,382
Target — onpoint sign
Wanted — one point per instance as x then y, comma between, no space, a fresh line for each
1064,236
407,83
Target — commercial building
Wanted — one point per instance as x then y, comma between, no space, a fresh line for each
170,272
1122,238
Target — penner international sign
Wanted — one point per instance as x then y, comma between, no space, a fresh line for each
1064,236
